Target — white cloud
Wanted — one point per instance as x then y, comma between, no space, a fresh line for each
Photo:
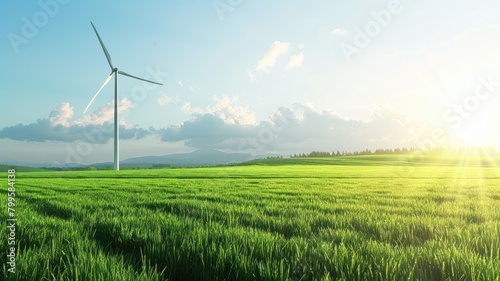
61,115
225,108
164,100
299,128
228,125
251,75
295,61
188,109
104,113
61,127
339,31
270,57
277,49
188,86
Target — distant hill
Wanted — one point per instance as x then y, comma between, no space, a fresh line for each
5,168
202,157
400,160
41,165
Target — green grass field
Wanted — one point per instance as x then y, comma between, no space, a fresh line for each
343,218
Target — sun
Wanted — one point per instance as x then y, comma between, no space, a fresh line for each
477,132
475,136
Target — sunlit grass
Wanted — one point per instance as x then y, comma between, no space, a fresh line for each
350,218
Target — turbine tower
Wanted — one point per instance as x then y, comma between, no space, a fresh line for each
114,71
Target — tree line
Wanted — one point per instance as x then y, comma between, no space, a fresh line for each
486,150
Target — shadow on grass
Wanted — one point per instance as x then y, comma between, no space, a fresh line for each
288,228
46,208
113,242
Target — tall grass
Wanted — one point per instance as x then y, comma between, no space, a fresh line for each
293,222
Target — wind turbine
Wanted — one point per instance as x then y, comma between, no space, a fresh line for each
114,71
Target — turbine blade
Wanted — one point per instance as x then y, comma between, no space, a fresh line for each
108,57
104,84
135,77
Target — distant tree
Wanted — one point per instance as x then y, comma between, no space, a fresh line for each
319,154
92,168
367,152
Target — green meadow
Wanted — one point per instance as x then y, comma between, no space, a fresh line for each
342,218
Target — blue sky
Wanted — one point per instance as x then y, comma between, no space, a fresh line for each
247,76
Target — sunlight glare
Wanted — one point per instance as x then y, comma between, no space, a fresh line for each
476,133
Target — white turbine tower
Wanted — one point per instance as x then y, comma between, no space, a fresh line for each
114,71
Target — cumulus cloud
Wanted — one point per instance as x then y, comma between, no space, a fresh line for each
226,124
187,86
189,109
61,115
277,49
295,61
339,31
104,113
294,129
226,108
206,130
270,57
60,126
164,100
42,130
251,74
